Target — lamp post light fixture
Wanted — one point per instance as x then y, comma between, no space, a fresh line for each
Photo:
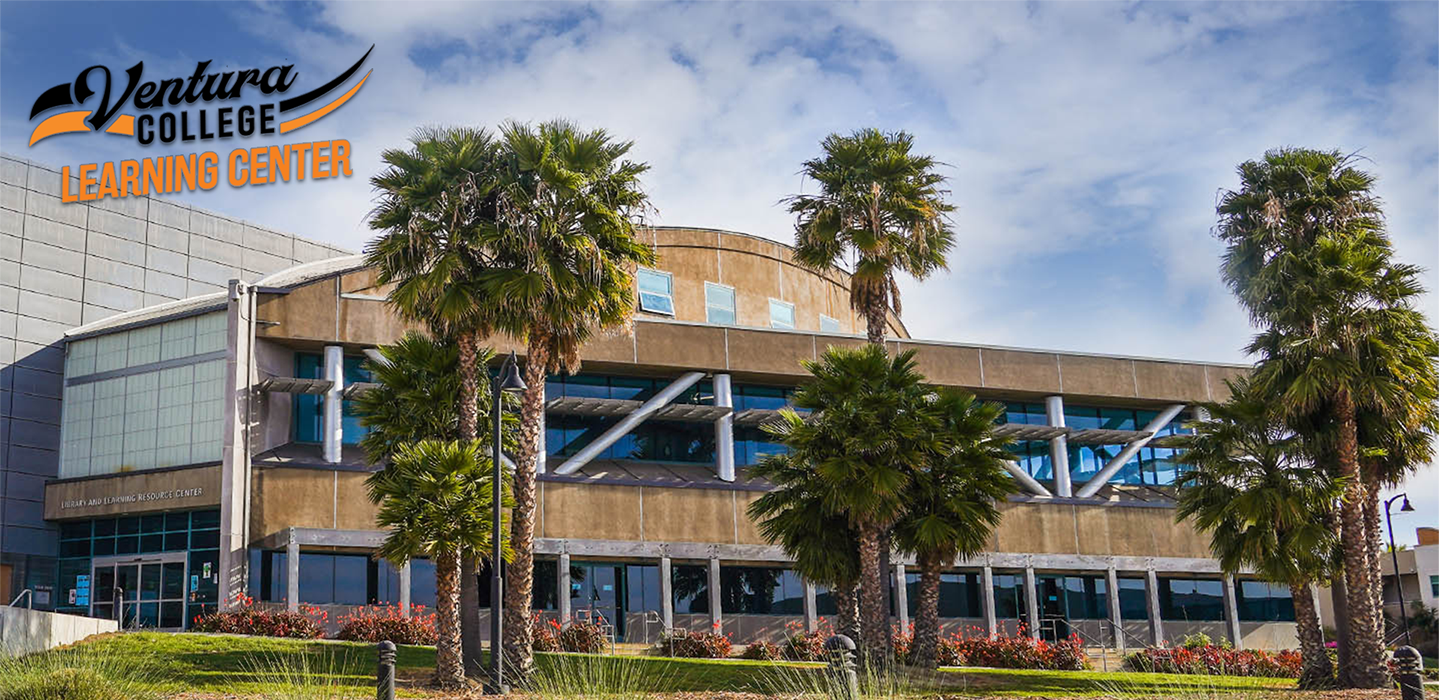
1405,507
508,380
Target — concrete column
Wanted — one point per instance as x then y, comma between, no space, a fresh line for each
234,487
405,590
1032,604
902,597
1232,613
1059,447
715,612
331,435
812,618
1112,589
724,430
562,587
667,594
540,454
1152,605
987,599
292,572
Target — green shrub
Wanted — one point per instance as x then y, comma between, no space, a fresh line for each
761,651
694,645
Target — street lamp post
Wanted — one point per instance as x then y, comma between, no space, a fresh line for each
507,380
1395,560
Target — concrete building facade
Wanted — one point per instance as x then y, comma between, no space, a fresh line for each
252,482
64,265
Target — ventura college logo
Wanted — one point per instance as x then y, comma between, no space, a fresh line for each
196,171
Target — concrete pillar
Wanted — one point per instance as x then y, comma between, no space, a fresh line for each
241,374
331,434
812,618
1059,447
1112,588
1032,604
987,599
714,590
667,594
1232,613
292,572
540,454
405,590
902,597
562,587
1152,605
724,430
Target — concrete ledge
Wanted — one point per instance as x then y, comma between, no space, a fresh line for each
24,631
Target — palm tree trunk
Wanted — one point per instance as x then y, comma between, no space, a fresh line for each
1339,600
1373,553
847,610
1316,669
875,320
1367,655
873,612
449,671
925,652
469,581
519,584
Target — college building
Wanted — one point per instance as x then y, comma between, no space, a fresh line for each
208,449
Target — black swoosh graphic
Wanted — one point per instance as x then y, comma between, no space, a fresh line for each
57,96
302,100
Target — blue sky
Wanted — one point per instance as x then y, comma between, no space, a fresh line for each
1087,142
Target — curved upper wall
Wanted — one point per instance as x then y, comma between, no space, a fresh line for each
759,270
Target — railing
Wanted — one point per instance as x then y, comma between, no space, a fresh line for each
29,597
652,617
1119,633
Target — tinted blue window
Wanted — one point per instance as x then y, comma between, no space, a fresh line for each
690,587
1192,599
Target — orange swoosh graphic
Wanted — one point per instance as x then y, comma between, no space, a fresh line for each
123,125
289,126
62,123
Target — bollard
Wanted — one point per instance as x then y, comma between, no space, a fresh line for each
1407,673
842,666
385,672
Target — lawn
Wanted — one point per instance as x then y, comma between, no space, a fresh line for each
223,665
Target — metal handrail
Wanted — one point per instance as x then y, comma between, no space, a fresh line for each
29,597
1118,631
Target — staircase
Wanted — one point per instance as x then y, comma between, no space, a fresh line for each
1105,659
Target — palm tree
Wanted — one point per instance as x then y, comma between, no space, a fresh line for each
951,505
434,496
871,429
1308,256
821,542
1266,507
881,204
434,198
565,248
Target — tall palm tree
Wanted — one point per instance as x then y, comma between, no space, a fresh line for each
434,497
1308,256
871,429
434,198
1266,507
881,204
821,542
951,506
565,246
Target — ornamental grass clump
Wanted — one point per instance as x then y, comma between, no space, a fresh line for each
73,674
326,674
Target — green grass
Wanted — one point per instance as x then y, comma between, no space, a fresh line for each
253,666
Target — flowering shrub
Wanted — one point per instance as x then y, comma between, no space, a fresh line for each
801,645
1216,660
1019,651
902,643
544,634
247,619
584,636
387,623
761,651
696,645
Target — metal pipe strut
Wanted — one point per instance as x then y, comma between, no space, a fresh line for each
628,423
1114,465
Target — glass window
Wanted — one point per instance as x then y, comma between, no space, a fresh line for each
1009,596
760,590
691,588
1192,600
829,325
1259,601
1435,586
1132,599
642,587
719,304
959,594
656,294
782,314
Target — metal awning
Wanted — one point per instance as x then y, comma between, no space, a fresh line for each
587,406
692,413
294,385
1169,440
752,417
1022,431
1106,436
353,390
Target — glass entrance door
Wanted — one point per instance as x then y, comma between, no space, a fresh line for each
1054,618
140,592
596,591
